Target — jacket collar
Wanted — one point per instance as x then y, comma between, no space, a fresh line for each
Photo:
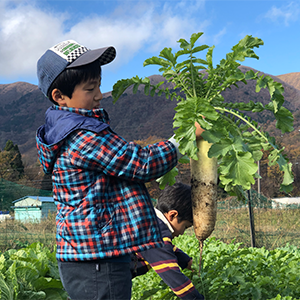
98,113
161,216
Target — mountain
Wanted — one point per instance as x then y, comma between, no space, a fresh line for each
134,116
291,78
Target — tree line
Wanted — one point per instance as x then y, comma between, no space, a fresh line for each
11,164
18,180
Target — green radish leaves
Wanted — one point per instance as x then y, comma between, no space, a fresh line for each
237,140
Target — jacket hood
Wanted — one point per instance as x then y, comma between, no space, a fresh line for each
59,123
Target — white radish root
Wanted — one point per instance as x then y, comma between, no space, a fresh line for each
204,179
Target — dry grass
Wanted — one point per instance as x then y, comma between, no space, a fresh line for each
16,234
273,228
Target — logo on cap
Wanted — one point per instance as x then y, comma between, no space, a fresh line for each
69,50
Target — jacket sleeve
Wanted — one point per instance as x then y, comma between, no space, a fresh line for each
182,258
165,264
114,156
138,266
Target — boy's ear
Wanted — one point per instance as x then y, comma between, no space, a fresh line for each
171,215
58,97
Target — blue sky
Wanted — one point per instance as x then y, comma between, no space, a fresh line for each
141,29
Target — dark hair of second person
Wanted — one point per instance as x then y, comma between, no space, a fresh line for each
177,197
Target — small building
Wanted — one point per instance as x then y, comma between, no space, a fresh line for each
4,215
33,208
286,202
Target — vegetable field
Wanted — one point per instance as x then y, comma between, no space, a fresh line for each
30,273
229,271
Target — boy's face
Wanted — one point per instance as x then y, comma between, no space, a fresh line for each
86,95
179,228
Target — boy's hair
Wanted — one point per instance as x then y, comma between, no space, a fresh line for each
69,78
177,197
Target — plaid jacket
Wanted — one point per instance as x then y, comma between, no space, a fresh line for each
104,209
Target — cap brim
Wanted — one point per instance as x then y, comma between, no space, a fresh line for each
105,56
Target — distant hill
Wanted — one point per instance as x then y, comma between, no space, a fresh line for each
292,79
134,116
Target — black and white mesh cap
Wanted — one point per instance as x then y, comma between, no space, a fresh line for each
68,54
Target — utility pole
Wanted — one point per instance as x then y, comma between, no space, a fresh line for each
258,180
251,219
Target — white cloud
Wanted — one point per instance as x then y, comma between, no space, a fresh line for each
27,30
286,14
151,26
219,35
25,33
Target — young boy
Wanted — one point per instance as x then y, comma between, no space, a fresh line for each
174,213
104,211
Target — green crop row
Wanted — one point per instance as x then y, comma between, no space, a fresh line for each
229,271
30,273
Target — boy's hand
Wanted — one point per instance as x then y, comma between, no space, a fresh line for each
189,266
199,131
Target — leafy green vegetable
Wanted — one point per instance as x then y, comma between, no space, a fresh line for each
230,271
237,140
30,273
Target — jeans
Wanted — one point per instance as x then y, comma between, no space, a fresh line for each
96,280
